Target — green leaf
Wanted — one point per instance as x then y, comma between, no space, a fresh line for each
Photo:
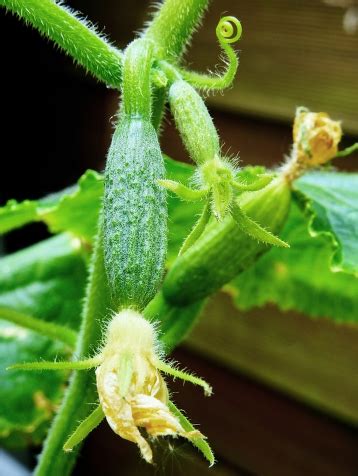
331,202
200,443
77,211
298,278
14,215
46,281
74,209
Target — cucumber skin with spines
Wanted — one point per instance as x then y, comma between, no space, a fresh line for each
194,122
223,251
135,214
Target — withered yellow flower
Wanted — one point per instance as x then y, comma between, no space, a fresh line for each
315,142
131,389
316,136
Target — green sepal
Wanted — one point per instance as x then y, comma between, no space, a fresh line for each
182,191
199,443
182,375
261,182
221,199
253,229
55,365
348,150
198,228
84,428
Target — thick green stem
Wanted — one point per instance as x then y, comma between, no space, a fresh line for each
136,85
175,322
174,24
48,329
73,35
81,391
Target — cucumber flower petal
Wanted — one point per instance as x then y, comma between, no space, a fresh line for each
134,395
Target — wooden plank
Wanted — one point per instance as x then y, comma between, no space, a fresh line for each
313,360
292,53
262,431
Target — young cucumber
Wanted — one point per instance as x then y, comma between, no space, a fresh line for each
223,250
193,122
135,214
134,205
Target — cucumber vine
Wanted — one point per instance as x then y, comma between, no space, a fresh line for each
131,312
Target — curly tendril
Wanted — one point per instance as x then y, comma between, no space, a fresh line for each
228,31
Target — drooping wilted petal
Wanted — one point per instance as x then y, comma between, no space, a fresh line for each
135,395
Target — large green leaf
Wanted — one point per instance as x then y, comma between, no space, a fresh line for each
47,281
299,278
331,202
74,210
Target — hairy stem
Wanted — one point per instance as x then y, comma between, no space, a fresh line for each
73,34
48,329
174,24
136,86
81,391
175,322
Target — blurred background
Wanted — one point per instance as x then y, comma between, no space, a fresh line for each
265,366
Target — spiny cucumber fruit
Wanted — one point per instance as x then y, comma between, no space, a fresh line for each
224,250
194,122
135,214
134,205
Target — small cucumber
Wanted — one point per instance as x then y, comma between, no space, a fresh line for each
135,214
223,250
193,122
